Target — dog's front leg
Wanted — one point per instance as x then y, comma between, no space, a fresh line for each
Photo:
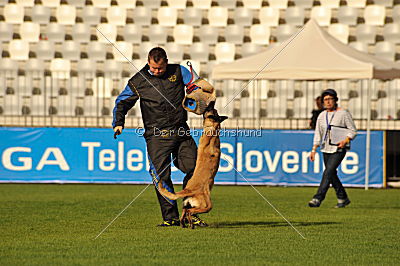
183,218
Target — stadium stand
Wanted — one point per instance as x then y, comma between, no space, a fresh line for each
64,41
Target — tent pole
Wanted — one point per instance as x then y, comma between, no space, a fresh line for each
368,140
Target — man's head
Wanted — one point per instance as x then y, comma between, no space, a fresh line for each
157,61
329,99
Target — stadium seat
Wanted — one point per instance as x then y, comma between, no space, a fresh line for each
37,105
157,34
285,31
116,15
6,31
202,4
41,14
25,3
132,33
19,50
199,51
280,4
295,15
243,16
125,48
249,107
91,15
66,14
179,4
365,33
340,32
269,16
13,13
54,32
81,32
225,52
183,34
249,48
11,105
385,3
347,15
234,34
391,32
71,50
252,4
360,46
192,16
227,3
357,3
101,3
386,108
174,52
167,16
45,50
374,15
144,49
60,68
322,15
127,3
396,14
96,51
29,31
77,3
259,34
152,3
385,50
51,3
330,3
218,16
303,3
208,34
142,15
106,33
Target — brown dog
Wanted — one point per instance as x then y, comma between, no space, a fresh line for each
197,191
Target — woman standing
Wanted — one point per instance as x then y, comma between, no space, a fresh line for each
332,154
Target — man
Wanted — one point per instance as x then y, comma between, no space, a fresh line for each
333,153
160,88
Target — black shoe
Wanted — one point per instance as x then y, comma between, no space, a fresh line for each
343,203
198,222
314,203
170,223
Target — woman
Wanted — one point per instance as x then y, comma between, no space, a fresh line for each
333,154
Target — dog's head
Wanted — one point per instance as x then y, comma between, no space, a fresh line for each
212,119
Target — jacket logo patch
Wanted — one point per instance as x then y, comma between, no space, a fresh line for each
172,78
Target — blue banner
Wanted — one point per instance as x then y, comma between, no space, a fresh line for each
90,155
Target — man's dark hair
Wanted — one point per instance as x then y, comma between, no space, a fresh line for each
157,54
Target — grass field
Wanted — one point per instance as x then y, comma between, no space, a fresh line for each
57,224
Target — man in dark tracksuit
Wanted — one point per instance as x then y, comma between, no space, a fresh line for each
161,89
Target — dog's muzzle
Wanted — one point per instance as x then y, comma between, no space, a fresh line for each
200,97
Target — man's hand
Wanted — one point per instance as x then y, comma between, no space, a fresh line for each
343,143
312,156
117,131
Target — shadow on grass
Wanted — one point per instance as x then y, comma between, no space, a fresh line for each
241,224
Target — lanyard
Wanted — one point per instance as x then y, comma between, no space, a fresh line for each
328,124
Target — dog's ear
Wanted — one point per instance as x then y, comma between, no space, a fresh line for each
213,117
222,118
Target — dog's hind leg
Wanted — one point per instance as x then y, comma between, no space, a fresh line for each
183,218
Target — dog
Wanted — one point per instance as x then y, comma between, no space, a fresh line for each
197,191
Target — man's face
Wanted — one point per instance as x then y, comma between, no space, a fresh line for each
158,68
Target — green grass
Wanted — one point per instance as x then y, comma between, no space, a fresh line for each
57,224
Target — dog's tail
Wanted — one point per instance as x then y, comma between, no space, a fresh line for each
174,196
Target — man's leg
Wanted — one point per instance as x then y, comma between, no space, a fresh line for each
159,151
336,159
325,182
186,156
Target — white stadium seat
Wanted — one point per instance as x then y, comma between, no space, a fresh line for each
183,34
218,16
167,16
14,13
322,15
374,15
340,32
29,31
269,16
260,34
225,52
19,49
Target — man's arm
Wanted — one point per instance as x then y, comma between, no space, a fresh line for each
124,102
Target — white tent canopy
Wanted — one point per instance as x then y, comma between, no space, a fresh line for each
310,54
